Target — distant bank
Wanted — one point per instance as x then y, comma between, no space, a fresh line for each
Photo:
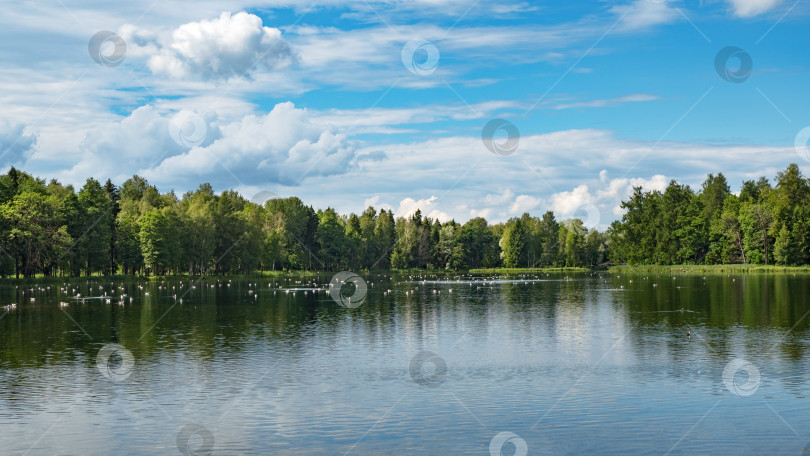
712,269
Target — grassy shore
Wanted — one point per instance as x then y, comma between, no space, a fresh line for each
284,273
524,270
39,278
475,271
712,269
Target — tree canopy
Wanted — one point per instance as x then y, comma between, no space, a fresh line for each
764,224
53,229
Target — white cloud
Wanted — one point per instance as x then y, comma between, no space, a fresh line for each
564,170
15,146
643,14
566,203
599,208
615,101
618,190
485,213
499,199
364,58
282,146
501,205
279,147
524,203
117,150
381,120
292,151
750,8
427,206
372,201
223,48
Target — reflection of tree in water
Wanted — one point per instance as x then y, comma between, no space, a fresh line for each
743,315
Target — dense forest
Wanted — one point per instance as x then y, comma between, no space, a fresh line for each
763,224
51,229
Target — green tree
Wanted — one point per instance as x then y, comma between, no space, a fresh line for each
549,240
153,239
574,243
95,236
34,231
330,237
513,244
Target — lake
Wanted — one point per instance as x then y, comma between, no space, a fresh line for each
537,364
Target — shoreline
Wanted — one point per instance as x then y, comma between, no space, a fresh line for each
673,269
290,273
713,269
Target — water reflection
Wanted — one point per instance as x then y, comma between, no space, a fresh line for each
570,363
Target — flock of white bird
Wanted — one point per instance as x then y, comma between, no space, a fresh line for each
71,291
430,283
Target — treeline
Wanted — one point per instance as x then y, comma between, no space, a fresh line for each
51,229
764,224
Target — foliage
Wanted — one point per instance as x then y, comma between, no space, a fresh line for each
763,225
133,229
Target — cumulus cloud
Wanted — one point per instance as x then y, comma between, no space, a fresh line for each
15,146
282,146
618,190
566,203
231,46
137,142
185,148
373,201
750,8
502,205
524,203
292,151
597,208
427,206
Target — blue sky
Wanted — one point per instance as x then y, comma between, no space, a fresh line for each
316,98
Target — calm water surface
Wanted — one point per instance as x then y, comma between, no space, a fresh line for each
574,363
